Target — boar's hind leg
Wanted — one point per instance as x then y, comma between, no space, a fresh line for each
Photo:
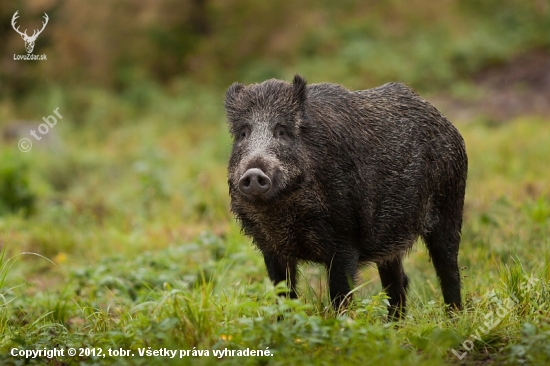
442,242
341,271
282,269
395,283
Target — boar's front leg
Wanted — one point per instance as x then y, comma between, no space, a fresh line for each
282,269
341,271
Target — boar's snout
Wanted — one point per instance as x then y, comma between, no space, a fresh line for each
254,182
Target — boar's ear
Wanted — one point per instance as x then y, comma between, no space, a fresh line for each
231,96
299,89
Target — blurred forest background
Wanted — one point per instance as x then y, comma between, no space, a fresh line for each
143,81
128,191
132,45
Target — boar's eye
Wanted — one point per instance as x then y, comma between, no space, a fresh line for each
280,132
243,133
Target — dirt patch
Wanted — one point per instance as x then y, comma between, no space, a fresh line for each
520,86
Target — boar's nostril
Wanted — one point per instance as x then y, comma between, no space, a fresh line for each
254,182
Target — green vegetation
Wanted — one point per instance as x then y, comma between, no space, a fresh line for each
143,253
115,231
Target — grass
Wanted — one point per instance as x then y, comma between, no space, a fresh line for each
136,250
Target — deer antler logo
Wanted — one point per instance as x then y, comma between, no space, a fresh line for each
29,41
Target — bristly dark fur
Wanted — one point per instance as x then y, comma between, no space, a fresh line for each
356,177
